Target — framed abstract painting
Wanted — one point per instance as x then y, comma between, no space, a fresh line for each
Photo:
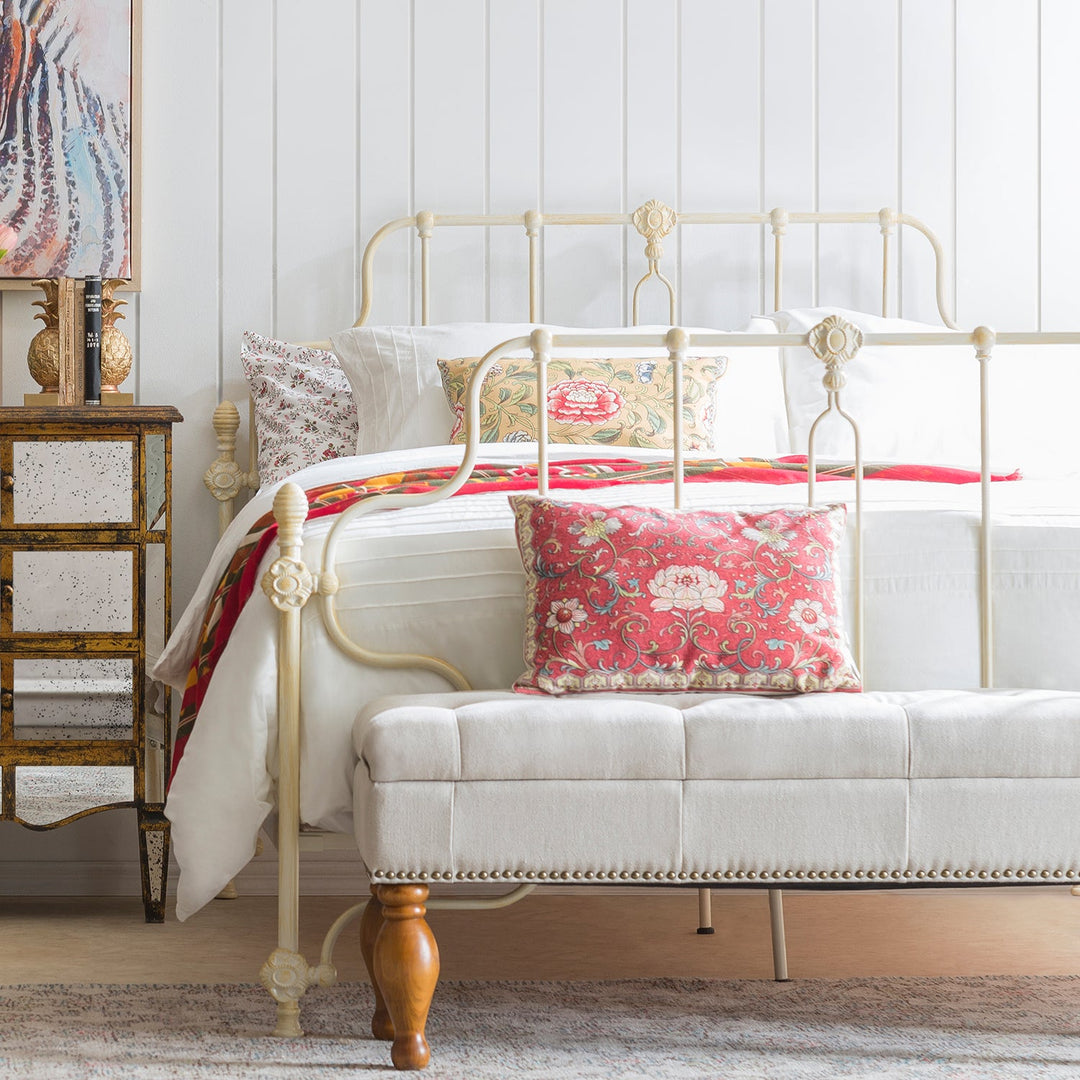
69,139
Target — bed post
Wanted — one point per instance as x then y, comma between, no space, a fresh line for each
225,479
887,222
288,583
778,219
985,339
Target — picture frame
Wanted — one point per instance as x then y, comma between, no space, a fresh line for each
74,200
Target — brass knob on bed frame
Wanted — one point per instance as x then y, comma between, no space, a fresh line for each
7,481
6,698
8,590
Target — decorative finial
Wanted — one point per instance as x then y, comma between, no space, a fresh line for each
835,341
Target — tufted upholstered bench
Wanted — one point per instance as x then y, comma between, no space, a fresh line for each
910,788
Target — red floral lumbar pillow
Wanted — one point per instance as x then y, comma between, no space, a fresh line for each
634,598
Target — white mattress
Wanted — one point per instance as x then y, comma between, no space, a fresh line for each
446,580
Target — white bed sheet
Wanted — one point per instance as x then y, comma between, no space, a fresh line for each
446,580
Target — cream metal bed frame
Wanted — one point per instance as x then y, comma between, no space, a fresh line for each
289,583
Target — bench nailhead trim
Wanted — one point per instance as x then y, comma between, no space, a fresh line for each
718,875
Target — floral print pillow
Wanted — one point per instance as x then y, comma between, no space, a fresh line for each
617,402
634,598
304,410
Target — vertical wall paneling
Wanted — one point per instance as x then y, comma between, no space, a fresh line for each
927,148
385,150
652,145
178,359
315,168
1060,160
450,118
720,156
788,150
513,149
997,199
583,158
857,143
246,183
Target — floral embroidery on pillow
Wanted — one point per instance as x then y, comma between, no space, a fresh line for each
616,401
583,401
304,409
635,598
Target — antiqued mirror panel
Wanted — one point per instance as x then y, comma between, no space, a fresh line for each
77,698
73,482
72,591
48,793
155,482
154,603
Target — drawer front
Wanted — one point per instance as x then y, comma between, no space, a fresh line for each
72,482
70,590
69,698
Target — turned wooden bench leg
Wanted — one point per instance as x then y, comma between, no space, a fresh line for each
370,925
406,964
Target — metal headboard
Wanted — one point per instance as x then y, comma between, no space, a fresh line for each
653,220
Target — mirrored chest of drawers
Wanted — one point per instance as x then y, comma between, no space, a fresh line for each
85,547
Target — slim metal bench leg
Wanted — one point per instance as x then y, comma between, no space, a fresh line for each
779,945
704,907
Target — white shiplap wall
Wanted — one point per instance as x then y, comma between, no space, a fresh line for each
278,134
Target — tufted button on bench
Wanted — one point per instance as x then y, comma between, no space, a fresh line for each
915,788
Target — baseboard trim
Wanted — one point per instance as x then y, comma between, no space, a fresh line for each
68,877
323,873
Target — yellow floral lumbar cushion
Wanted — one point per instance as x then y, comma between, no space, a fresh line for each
619,401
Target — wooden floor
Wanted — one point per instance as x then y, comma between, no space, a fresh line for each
555,934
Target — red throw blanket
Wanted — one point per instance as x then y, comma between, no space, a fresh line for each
239,579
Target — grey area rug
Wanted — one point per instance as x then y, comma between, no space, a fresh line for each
658,1028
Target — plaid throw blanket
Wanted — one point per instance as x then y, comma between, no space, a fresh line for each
240,577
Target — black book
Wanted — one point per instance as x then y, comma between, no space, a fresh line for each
92,347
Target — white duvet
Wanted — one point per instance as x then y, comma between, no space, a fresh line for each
446,580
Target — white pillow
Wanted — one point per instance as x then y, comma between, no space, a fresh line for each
915,404
751,420
395,378
304,410
400,402
921,404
